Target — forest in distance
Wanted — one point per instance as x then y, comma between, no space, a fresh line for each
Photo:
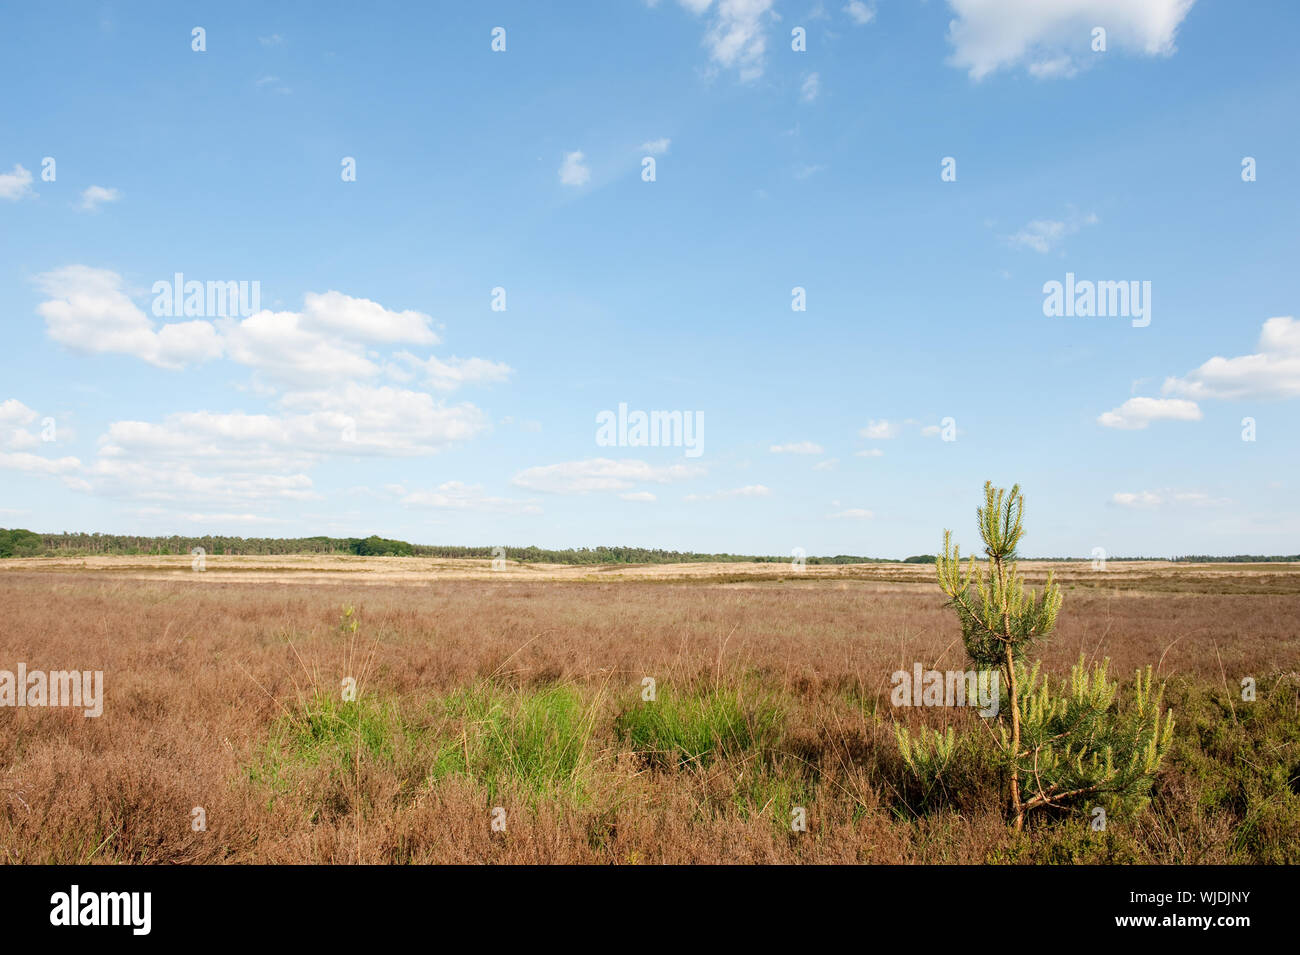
19,542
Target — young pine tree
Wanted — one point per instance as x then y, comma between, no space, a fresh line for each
1060,746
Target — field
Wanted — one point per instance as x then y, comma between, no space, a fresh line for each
499,715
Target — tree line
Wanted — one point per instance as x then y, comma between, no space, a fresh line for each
25,543
19,542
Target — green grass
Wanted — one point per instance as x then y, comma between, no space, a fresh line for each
539,740
681,729
331,732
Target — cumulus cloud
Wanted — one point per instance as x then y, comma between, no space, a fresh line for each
1054,39
360,319
573,169
327,402
237,458
90,311
14,417
284,346
656,147
869,453
35,464
16,184
330,339
364,419
1271,372
95,196
798,447
600,474
1136,413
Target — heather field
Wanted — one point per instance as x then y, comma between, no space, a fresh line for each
499,716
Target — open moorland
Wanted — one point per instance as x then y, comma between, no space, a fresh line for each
499,715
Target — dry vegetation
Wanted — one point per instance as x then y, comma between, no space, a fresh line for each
522,689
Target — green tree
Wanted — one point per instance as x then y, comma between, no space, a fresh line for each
1061,745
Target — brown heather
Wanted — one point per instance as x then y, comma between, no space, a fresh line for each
207,675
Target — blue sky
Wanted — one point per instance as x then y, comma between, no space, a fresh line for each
377,390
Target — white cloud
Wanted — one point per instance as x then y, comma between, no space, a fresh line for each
1061,67
14,412
860,13
35,464
573,170
273,40
656,147
352,420
457,496
89,311
177,481
600,474
362,419
17,184
876,430
451,374
827,465
231,519
95,196
1054,39
14,416
812,85
799,447
238,458
735,37
854,514
749,490
869,453
1044,235
286,347
1153,499
1137,413
359,319
332,407
639,496
1272,372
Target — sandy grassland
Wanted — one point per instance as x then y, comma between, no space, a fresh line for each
516,696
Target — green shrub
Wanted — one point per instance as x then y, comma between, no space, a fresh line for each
676,730
538,740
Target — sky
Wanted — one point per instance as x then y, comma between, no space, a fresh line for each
820,234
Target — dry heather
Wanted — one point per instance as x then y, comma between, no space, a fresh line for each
224,693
